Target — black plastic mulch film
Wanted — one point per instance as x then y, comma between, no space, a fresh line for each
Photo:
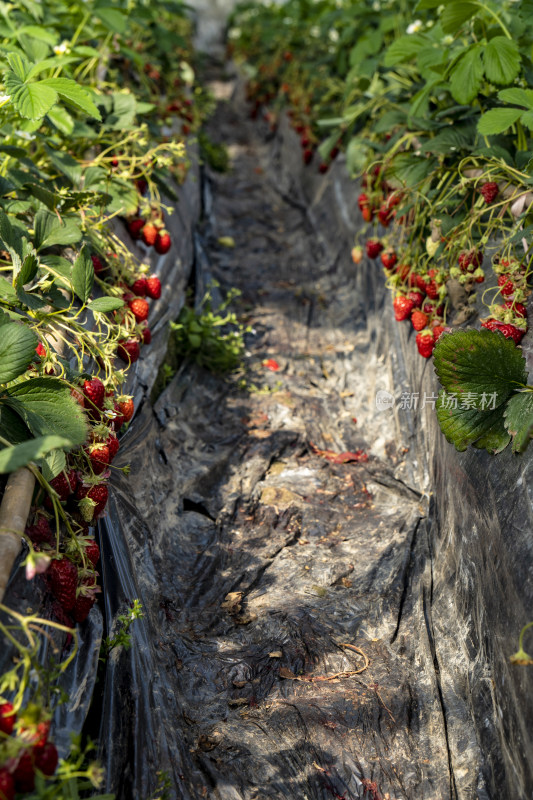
311,629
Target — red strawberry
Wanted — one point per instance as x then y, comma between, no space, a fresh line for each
40,350
64,581
417,298
7,785
163,242
141,185
363,201
389,259
153,287
128,350
506,285
98,493
508,330
135,227
140,308
385,215
46,758
402,270
92,551
368,213
425,343
305,141
7,718
147,335
419,320
118,421
82,607
323,168
438,330
113,446
94,391
126,407
307,155
39,533
138,287
149,233
518,308
24,773
99,456
63,484
432,290
97,265
402,307
489,191
470,260
373,248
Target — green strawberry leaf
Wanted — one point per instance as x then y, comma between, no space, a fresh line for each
83,275
456,14
502,60
73,94
519,97
464,426
498,120
53,463
495,439
519,419
467,75
103,304
479,366
17,349
19,455
32,100
46,406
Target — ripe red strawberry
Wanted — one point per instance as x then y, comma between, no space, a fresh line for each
118,421
305,141
82,607
97,264
141,185
385,215
113,446
92,551
389,259
470,260
149,234
518,308
98,493
402,270
7,785
39,533
489,191
40,350
7,718
147,335
506,285
323,168
140,308
368,213
99,456
153,287
363,201
163,242
63,484
438,330
94,391
46,758
138,287
419,320
416,297
307,155
508,330
135,227
373,248
126,407
38,734
24,773
128,350
402,307
425,343
432,290
63,576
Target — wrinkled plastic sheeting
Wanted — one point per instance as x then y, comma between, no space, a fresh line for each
79,679
216,505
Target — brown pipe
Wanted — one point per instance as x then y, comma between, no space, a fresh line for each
14,510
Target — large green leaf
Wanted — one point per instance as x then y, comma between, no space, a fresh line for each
519,419
502,60
12,428
19,455
32,100
53,463
405,48
495,439
17,348
50,230
83,275
519,97
467,75
104,304
482,363
73,94
464,426
46,406
455,14
497,120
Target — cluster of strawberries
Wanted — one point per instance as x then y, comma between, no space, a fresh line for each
152,232
25,752
135,296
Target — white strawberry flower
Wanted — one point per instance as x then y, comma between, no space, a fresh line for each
4,98
62,49
415,26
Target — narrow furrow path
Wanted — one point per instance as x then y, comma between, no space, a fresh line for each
294,645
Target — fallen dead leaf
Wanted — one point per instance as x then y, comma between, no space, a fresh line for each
275,654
